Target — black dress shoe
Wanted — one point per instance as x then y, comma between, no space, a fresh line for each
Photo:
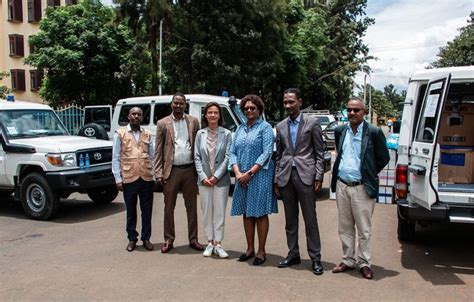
132,244
147,245
289,261
259,261
318,268
244,257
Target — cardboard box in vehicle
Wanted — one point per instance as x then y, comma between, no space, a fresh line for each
457,122
456,165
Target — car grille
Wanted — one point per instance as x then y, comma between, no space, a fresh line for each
96,156
330,135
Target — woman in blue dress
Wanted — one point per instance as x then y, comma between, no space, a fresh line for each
250,159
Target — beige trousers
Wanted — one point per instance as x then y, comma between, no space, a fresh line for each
355,209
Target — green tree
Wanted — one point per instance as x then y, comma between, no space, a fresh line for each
226,45
304,50
395,98
380,101
460,51
3,89
344,54
143,18
85,55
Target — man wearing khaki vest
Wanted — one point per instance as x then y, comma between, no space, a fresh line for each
132,167
175,170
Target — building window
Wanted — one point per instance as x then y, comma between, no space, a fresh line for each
36,76
54,2
71,2
18,79
34,11
32,48
16,46
15,11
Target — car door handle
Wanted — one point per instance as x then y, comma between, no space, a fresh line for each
425,150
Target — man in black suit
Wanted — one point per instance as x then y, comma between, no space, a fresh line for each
361,154
299,175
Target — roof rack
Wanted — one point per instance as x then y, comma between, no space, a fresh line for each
317,112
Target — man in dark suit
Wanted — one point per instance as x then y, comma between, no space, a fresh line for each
299,175
361,154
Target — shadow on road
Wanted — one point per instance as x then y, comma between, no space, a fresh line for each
440,252
70,210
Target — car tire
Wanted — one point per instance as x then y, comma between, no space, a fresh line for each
37,198
406,230
93,130
103,195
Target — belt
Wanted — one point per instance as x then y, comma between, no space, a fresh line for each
351,183
183,166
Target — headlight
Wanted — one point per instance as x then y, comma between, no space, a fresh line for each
62,159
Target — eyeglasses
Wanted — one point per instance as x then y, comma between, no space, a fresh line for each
356,110
250,108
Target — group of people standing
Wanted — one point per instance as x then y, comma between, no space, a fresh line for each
193,160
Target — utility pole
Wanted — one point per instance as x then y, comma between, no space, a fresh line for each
161,59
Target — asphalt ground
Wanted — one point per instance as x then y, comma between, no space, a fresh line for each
81,256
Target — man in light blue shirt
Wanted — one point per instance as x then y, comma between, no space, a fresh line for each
361,154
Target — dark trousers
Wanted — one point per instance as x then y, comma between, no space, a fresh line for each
184,180
131,191
294,194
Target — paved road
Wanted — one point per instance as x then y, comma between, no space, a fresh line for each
81,256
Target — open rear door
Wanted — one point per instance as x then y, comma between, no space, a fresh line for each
423,169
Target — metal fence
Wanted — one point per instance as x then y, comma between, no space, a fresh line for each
72,117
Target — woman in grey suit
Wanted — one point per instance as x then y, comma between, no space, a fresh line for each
211,156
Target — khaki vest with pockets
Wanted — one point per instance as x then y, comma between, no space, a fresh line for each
134,156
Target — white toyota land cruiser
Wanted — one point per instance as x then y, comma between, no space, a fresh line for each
41,163
435,166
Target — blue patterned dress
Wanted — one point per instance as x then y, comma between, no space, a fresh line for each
254,146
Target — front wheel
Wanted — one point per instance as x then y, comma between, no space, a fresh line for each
37,198
103,195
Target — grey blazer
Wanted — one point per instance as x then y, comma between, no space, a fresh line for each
201,156
308,153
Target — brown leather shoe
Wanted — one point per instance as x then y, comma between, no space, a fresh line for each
342,267
166,247
132,244
366,272
147,245
196,246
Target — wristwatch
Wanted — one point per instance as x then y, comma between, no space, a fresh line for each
251,173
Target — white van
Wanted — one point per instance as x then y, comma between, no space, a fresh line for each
435,165
155,108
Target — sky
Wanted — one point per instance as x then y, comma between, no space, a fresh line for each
407,35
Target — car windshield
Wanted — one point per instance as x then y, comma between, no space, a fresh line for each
323,120
31,123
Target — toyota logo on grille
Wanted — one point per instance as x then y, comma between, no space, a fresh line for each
90,132
97,156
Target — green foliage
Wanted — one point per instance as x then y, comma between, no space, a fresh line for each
86,56
3,89
344,54
260,47
460,51
384,102
226,45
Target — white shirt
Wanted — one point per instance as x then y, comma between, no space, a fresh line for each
183,154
